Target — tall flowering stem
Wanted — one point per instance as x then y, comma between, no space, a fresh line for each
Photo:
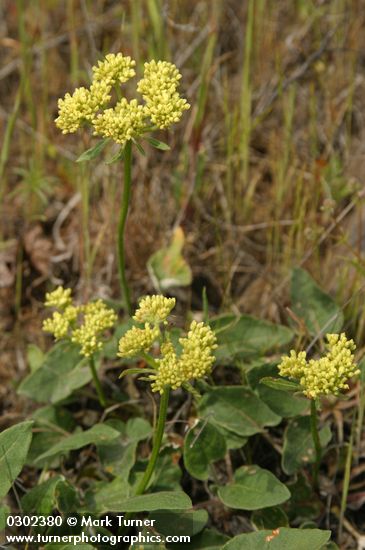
157,440
121,225
316,440
98,386
328,375
124,121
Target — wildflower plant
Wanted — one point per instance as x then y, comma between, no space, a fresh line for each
125,122
169,368
316,378
83,325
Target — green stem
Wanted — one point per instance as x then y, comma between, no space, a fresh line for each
157,440
121,225
316,441
99,389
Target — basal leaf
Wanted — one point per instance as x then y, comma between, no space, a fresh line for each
14,445
99,433
62,372
311,304
285,539
41,499
203,445
253,488
237,409
245,337
298,447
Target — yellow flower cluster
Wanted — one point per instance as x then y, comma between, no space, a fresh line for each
114,68
60,323
59,298
137,340
127,119
154,309
159,87
82,106
324,376
122,123
172,369
195,361
82,324
97,318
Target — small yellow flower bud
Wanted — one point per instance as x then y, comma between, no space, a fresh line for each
114,68
59,298
137,340
158,87
154,309
327,375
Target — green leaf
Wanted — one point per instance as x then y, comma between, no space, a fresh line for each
233,441
14,445
245,337
35,357
114,497
57,546
280,384
203,445
119,155
98,497
282,402
164,500
298,444
270,518
287,539
316,308
50,423
62,372
99,433
237,409
140,148
253,488
167,267
4,512
119,455
93,152
209,539
42,498
158,144
188,522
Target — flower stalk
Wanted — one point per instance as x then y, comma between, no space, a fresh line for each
316,441
157,440
97,383
122,223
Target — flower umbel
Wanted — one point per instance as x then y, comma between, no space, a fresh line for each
154,309
59,298
81,324
173,369
159,87
137,340
324,376
126,120
97,317
114,68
